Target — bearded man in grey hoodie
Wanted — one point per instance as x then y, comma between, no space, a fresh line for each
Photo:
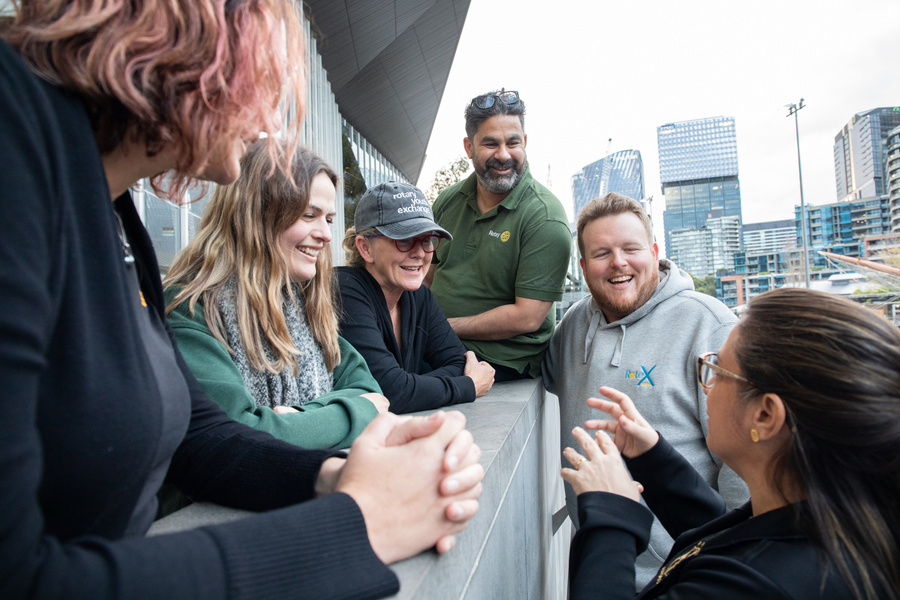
640,331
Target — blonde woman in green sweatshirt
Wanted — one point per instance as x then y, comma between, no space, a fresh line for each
250,301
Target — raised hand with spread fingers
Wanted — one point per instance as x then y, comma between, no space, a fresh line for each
600,469
632,434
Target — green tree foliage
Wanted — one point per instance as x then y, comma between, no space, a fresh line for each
706,285
447,176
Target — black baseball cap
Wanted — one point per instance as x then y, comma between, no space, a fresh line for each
398,210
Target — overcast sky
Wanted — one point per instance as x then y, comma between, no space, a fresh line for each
591,70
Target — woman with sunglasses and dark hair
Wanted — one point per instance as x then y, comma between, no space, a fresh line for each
390,317
804,404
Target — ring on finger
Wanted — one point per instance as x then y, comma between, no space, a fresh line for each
580,460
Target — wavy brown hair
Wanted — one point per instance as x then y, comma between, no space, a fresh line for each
836,367
239,237
181,73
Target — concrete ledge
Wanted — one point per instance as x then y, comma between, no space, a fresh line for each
509,549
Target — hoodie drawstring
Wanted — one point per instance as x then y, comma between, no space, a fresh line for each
620,349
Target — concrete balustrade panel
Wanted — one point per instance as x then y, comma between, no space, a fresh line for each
509,550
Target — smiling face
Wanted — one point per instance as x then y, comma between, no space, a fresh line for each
302,241
620,265
498,153
395,271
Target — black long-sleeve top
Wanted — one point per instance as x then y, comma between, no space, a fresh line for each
80,406
427,370
717,555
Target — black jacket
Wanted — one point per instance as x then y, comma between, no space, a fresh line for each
732,556
80,409
428,371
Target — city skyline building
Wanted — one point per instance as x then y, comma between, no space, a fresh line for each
621,172
856,229
840,227
860,153
699,175
893,175
708,249
769,236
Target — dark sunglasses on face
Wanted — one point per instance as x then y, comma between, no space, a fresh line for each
487,100
429,242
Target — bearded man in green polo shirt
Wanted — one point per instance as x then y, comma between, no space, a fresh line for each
496,281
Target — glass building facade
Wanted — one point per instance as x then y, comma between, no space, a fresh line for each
698,169
697,149
707,249
841,226
861,153
621,172
893,175
689,204
769,236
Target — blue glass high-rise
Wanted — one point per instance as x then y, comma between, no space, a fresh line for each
698,172
621,172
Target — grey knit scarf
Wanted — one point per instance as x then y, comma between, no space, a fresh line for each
282,389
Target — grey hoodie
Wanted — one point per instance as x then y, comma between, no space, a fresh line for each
651,355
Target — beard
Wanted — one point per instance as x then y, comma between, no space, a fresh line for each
615,309
499,184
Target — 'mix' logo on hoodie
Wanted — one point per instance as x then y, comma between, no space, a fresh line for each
641,376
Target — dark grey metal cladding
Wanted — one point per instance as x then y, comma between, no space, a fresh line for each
388,64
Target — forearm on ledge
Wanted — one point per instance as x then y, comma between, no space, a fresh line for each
502,322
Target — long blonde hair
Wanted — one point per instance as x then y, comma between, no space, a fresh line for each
239,237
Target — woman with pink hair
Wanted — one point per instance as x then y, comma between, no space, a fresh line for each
98,407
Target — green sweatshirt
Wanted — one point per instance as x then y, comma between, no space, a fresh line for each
330,421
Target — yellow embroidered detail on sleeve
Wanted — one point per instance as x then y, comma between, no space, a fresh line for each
693,551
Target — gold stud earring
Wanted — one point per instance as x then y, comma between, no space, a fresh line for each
754,435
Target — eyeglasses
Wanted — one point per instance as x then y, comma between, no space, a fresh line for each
708,367
429,242
487,100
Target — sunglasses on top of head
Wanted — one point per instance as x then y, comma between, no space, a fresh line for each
487,100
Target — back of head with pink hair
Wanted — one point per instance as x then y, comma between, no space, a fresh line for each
189,74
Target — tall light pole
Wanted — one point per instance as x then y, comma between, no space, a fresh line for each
793,109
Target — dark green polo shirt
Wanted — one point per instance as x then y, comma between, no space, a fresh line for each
521,247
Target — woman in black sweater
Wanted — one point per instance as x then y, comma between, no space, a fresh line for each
804,405
390,317
98,408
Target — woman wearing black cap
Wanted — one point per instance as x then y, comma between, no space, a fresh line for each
390,317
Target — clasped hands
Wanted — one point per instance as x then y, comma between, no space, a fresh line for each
601,468
416,481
